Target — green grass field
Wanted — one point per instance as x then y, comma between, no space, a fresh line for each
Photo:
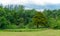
49,32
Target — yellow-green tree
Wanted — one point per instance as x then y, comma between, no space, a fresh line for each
39,20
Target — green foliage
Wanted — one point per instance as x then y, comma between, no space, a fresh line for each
53,17
39,20
16,16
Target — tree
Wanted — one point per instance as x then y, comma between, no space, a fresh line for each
39,20
3,22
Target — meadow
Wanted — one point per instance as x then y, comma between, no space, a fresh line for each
49,32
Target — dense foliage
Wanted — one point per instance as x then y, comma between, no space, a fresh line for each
53,17
16,17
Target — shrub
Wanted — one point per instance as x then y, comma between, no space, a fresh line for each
11,27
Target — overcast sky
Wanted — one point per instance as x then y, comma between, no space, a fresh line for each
37,4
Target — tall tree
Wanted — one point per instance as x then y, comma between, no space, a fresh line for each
39,19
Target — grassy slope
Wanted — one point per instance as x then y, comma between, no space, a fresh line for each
38,33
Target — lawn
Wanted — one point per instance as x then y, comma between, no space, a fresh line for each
49,32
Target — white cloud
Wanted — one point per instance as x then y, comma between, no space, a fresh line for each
43,2
35,9
37,2
53,1
5,2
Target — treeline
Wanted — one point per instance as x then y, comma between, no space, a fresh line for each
53,18
16,17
